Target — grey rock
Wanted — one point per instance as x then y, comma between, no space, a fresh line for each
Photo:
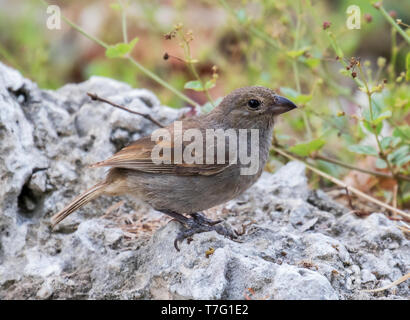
291,283
298,243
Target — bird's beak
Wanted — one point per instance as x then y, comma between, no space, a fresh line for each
283,105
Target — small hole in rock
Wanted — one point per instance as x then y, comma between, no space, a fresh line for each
27,202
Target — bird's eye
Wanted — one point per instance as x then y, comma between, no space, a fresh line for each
254,104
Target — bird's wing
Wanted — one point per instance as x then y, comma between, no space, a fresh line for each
139,156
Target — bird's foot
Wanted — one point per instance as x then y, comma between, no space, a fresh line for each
201,219
198,224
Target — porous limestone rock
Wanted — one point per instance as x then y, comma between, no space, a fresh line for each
298,243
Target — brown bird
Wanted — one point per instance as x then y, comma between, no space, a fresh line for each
176,186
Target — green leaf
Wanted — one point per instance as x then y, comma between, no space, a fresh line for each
302,99
381,164
403,132
194,85
197,86
210,84
296,97
305,149
369,150
385,142
283,136
369,128
207,107
408,67
312,62
395,142
389,141
115,6
241,15
297,123
404,160
345,72
289,92
406,197
120,49
400,155
382,116
297,53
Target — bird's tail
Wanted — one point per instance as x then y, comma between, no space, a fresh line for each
78,202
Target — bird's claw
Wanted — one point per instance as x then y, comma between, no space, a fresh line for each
198,224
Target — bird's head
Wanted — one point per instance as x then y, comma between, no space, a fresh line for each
252,107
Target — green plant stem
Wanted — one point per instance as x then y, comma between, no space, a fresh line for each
206,91
296,70
394,51
376,135
340,54
124,22
9,57
296,45
195,73
154,77
84,33
394,24
262,35
258,33
140,67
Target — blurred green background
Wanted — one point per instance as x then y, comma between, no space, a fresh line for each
278,44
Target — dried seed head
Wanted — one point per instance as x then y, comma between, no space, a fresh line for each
368,17
326,25
393,14
381,62
170,35
354,74
377,5
178,26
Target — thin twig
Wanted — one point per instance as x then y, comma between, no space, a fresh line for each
395,189
394,283
93,96
349,166
349,198
394,24
344,185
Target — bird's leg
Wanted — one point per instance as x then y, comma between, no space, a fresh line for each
197,224
177,216
200,218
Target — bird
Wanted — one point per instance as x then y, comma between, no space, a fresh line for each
182,188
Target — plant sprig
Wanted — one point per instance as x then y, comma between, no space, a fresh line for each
122,50
185,38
